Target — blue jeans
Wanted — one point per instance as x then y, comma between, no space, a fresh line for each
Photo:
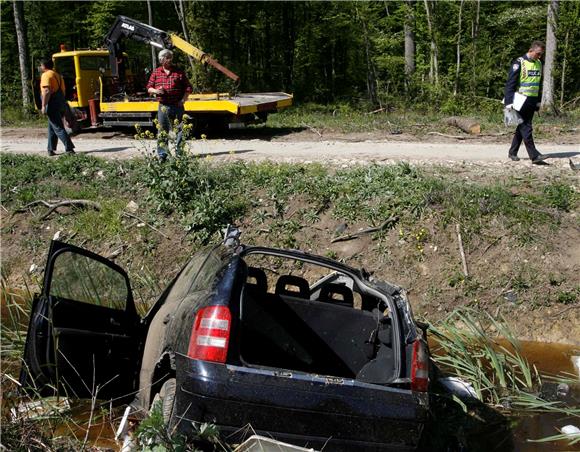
166,115
56,129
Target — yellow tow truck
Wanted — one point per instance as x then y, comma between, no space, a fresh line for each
104,88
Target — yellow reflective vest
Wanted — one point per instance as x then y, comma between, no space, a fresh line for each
530,75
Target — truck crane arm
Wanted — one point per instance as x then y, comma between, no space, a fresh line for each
125,27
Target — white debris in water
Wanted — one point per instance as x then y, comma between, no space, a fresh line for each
576,362
570,431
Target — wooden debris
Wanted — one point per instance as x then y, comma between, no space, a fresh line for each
312,129
53,205
461,251
130,215
386,225
457,137
468,125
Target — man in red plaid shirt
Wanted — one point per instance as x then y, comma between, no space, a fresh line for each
172,88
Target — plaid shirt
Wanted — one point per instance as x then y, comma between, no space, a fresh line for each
175,84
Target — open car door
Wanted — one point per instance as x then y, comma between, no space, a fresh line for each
84,331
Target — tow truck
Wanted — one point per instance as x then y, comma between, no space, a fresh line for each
105,88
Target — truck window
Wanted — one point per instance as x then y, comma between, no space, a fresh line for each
94,63
65,66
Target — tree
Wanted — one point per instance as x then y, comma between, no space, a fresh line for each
409,30
458,58
551,44
22,51
434,54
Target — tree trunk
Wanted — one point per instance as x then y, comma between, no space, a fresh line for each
564,61
474,34
409,42
181,16
22,52
150,21
551,44
371,78
434,63
458,65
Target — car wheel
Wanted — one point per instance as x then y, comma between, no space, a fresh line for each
166,397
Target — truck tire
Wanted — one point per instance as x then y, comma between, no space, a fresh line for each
166,396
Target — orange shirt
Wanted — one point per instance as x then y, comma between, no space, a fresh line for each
52,80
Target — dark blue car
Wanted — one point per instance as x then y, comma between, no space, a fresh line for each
298,347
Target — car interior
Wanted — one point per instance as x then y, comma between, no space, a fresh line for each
329,327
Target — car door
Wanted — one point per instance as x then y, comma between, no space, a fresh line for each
84,331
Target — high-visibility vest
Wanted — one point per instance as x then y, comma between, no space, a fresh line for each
530,75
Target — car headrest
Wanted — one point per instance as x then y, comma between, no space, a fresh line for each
261,281
286,281
337,294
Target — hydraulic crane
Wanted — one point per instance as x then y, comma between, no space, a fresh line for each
125,27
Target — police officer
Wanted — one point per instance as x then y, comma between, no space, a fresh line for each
525,77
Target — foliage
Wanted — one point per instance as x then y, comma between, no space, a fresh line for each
347,52
155,436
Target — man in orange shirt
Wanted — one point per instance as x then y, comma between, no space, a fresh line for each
53,105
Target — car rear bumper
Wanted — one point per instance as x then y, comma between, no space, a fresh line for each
301,409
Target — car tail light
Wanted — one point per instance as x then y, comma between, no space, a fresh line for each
420,367
211,334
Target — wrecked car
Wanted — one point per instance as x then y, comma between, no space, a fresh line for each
293,346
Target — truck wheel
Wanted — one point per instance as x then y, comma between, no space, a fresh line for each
166,396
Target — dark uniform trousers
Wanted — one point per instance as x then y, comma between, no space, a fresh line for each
524,131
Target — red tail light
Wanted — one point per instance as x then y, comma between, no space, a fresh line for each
420,367
211,334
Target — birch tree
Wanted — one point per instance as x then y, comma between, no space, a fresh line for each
433,57
22,51
409,29
458,53
551,44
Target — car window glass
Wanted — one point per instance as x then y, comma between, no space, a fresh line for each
80,278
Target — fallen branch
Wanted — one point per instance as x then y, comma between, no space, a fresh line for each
565,310
312,129
461,250
130,215
565,104
376,111
457,137
387,224
53,205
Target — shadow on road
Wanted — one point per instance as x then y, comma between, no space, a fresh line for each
215,154
562,155
118,149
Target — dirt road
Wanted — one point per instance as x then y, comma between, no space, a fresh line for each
303,146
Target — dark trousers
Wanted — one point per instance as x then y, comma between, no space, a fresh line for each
524,132
56,129
167,115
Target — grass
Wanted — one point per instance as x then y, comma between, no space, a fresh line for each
500,375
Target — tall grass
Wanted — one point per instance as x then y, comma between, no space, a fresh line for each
500,375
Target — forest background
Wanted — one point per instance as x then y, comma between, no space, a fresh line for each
444,56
